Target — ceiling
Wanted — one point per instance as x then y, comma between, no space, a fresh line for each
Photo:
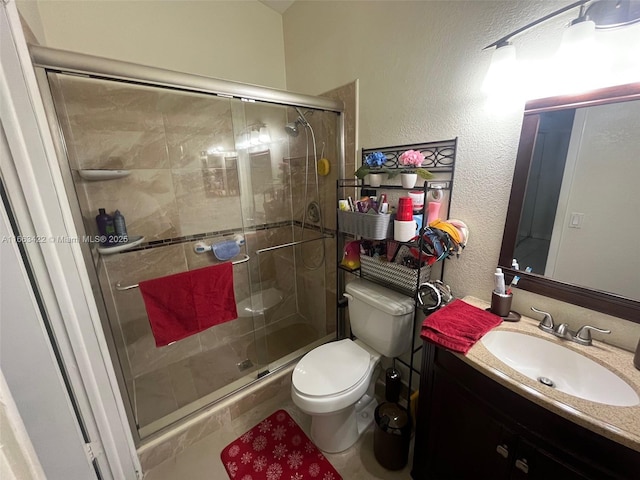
278,5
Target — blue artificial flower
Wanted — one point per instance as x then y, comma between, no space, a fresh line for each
376,159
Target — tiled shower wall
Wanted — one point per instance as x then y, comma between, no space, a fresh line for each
175,193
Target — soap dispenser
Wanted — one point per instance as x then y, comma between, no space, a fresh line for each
636,358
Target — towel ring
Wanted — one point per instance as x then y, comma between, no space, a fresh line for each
433,295
429,297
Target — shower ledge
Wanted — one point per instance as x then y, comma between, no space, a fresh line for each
102,174
121,247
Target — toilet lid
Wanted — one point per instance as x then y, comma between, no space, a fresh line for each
331,368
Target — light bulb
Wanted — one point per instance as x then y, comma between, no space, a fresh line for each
502,70
577,41
575,61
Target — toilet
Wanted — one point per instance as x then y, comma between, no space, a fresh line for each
334,382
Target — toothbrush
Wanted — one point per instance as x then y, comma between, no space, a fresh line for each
515,280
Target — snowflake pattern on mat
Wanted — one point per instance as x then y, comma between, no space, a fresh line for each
264,426
294,460
247,437
280,451
260,463
276,449
259,443
232,468
274,472
314,470
279,432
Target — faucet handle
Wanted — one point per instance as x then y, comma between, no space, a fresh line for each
583,336
546,324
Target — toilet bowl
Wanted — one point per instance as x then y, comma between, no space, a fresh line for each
334,382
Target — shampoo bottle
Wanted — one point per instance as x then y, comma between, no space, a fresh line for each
120,226
106,226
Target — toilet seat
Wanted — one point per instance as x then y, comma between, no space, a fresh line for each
331,369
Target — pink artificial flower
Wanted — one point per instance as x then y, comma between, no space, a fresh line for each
411,158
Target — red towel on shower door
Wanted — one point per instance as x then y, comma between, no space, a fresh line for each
186,303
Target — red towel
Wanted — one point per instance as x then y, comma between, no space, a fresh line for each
186,303
458,326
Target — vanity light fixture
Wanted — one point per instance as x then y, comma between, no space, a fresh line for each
502,68
578,36
577,46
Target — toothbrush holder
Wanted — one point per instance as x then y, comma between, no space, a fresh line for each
501,303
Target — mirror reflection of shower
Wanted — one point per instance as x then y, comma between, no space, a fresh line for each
311,209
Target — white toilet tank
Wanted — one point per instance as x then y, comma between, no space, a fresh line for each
380,317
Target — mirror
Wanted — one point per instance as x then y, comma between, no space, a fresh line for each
575,198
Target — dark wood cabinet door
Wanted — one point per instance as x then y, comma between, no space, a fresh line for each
471,427
534,463
465,442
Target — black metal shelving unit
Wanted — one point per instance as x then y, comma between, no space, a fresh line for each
440,160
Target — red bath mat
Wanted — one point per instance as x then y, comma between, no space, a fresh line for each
276,449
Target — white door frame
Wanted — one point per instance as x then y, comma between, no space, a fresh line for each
35,188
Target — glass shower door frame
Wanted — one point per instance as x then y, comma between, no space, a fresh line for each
67,62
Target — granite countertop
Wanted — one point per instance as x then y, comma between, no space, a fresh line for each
620,424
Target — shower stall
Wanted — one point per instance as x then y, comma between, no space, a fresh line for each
192,162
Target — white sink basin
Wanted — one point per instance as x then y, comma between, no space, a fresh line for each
559,367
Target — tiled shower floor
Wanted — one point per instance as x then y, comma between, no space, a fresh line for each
201,461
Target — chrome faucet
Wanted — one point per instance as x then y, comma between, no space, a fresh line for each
582,336
546,324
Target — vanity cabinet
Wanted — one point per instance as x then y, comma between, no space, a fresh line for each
471,427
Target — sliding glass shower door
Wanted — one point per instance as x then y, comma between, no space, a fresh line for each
190,171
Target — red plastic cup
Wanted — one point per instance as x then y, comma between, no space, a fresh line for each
405,209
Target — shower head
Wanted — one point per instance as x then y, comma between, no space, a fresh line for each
292,127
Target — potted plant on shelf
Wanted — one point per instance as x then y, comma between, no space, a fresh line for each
373,166
411,162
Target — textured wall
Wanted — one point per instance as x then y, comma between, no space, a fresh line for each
239,41
420,69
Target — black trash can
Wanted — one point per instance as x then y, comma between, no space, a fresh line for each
391,436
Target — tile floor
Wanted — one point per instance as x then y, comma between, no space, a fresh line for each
202,460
